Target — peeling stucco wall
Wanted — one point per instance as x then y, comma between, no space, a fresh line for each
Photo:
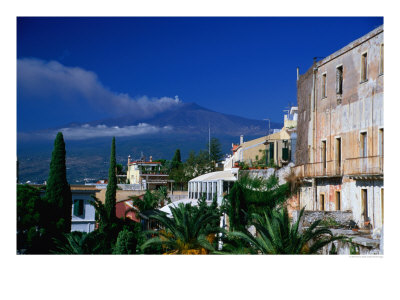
358,109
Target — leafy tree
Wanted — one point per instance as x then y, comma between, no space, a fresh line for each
215,150
121,171
186,232
197,165
276,234
29,207
162,195
112,185
176,160
58,199
103,240
178,175
126,242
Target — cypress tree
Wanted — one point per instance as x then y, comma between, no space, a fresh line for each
58,193
112,184
176,160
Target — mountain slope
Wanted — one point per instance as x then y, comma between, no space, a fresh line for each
192,118
88,158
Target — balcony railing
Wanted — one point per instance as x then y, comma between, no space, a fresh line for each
364,165
320,169
353,166
157,173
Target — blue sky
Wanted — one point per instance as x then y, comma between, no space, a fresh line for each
84,69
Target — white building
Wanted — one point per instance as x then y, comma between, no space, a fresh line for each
215,184
83,212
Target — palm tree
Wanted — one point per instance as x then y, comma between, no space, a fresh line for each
186,232
276,234
145,206
75,243
251,195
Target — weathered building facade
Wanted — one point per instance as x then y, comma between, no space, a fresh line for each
340,132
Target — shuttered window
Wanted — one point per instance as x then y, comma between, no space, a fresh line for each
78,208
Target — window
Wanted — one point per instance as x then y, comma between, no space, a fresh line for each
363,141
338,152
364,204
322,202
382,204
381,61
381,141
323,86
364,67
337,201
339,80
323,154
78,208
285,151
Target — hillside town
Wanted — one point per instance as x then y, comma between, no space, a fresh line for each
320,177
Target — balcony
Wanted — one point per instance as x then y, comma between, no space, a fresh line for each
154,173
323,169
371,165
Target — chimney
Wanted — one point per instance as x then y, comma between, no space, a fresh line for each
241,139
151,158
297,73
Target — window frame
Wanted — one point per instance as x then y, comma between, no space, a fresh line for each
381,141
338,207
324,85
82,214
342,79
364,67
322,203
363,142
324,141
381,59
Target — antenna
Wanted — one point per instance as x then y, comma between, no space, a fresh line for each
269,125
209,141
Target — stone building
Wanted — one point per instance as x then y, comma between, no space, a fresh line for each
340,132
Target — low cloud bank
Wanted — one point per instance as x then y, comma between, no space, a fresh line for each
87,131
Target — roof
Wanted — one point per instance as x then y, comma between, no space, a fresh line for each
281,135
235,147
81,187
350,46
214,176
145,162
167,208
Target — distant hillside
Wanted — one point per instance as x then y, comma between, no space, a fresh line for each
89,158
191,118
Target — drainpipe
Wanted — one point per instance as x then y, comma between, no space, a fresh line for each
313,109
313,114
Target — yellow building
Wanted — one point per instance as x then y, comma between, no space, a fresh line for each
146,173
274,149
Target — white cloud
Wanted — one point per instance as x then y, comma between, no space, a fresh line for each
87,131
50,80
